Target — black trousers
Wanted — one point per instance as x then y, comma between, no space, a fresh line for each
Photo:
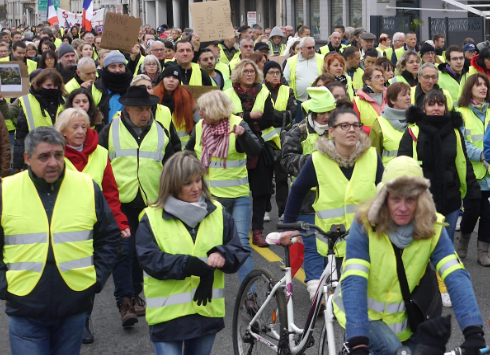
474,209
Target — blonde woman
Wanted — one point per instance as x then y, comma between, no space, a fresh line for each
222,142
401,219
186,241
407,69
253,104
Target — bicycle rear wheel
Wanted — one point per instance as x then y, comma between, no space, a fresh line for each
270,322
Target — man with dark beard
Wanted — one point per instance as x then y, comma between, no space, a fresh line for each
67,62
113,83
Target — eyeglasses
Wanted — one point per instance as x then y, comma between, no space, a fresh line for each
158,50
249,72
273,72
312,47
413,62
430,53
457,59
428,77
345,126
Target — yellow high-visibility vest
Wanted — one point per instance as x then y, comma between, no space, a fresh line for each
96,165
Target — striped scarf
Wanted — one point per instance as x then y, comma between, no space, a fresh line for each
215,142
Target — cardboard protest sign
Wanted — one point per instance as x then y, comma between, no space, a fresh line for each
14,79
278,58
198,91
212,20
120,32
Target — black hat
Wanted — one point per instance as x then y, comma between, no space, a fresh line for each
138,96
261,45
426,47
243,28
271,64
205,44
172,70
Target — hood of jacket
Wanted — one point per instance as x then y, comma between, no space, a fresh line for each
477,66
276,31
442,68
414,114
326,146
365,96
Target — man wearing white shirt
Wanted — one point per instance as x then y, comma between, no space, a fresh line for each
302,69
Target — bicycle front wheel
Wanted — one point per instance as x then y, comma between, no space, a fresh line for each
253,292
339,340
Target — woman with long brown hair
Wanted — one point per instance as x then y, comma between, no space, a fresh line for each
180,102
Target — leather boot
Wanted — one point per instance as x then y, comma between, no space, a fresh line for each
258,239
88,337
139,305
462,245
128,315
482,249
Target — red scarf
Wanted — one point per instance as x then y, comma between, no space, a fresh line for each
214,141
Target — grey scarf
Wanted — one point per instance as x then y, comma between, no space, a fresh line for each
378,98
396,117
402,236
190,213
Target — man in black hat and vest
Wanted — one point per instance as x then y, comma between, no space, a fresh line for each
138,147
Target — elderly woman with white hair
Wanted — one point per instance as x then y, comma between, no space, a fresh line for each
222,142
83,153
151,67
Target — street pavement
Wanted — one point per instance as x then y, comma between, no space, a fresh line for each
111,338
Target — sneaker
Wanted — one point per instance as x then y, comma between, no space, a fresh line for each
446,300
267,217
139,305
458,223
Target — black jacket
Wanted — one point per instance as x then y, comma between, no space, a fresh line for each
283,118
51,298
103,105
138,202
22,128
453,195
420,95
293,160
163,266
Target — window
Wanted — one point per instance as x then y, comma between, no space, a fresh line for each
337,15
355,9
315,18
299,17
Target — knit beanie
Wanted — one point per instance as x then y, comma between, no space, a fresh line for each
426,47
172,70
322,99
65,48
271,64
114,57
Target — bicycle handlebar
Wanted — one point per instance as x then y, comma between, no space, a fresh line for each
297,225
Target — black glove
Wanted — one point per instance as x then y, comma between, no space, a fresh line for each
204,292
197,267
473,340
355,341
433,335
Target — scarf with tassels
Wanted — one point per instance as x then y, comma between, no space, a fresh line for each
215,142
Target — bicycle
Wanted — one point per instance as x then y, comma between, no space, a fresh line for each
263,316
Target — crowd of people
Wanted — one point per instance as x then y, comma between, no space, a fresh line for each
385,136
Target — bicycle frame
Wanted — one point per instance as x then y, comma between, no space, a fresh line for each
322,292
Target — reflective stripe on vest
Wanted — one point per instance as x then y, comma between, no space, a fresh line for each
34,113
96,165
384,297
460,161
293,62
28,232
448,264
391,140
229,182
136,168
170,299
181,132
338,197
474,132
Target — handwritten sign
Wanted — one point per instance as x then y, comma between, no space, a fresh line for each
212,20
120,32
198,91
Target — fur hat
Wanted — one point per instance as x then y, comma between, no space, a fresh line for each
402,176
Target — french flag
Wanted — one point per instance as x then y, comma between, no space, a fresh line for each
52,16
88,14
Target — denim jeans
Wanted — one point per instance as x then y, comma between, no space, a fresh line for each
451,219
314,263
126,272
382,340
240,209
194,346
57,337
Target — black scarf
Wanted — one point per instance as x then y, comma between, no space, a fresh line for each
117,82
49,100
436,128
168,100
342,79
409,78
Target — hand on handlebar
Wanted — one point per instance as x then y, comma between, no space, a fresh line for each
286,237
473,340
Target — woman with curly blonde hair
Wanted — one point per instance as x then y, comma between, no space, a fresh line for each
400,226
